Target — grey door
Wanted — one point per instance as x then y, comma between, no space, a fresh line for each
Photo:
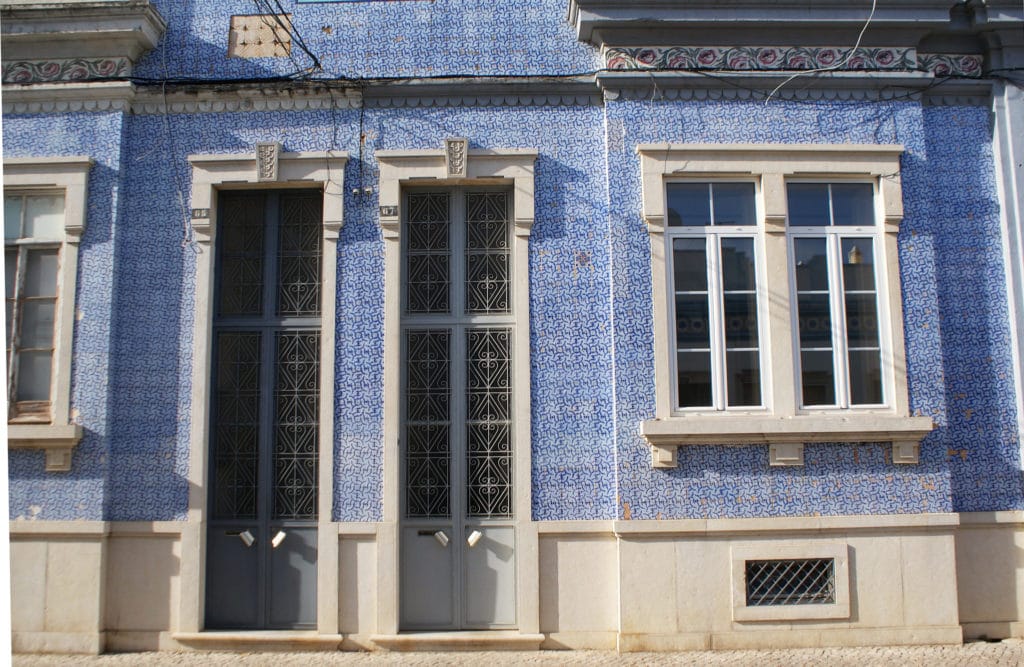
262,531
457,536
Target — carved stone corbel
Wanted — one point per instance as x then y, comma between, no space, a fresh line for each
456,152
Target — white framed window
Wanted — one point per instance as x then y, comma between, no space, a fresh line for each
833,229
713,254
44,219
785,329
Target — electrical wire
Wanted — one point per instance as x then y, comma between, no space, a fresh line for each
839,65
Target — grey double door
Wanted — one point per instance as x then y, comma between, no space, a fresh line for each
262,528
457,542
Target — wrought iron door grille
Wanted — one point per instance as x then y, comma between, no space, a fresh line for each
489,423
790,582
299,251
240,265
236,436
487,252
428,253
297,397
427,424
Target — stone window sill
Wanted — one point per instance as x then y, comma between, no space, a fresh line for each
57,441
785,436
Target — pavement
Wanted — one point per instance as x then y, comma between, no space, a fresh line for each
1007,652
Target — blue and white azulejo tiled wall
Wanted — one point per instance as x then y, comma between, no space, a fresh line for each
592,362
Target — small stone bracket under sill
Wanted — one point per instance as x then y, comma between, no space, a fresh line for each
785,436
58,441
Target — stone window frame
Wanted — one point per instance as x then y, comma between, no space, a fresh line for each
70,176
784,426
838,552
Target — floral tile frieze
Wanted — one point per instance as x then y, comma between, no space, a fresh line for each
759,58
768,58
944,64
78,69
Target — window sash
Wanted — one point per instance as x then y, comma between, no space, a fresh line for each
840,348
718,348
35,408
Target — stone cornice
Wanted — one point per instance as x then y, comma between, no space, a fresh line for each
595,20
56,31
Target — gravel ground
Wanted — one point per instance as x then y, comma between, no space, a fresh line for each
1009,652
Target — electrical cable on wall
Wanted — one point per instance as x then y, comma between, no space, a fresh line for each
837,66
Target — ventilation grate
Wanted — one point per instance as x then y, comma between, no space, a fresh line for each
790,582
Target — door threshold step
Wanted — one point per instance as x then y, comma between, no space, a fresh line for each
482,640
259,640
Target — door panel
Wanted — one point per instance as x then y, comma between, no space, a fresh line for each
490,576
427,569
233,600
292,598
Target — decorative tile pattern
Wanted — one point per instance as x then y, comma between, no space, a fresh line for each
82,492
377,39
941,64
590,285
759,58
29,71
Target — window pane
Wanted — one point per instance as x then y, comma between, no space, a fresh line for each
811,261
10,271
734,203
858,264
689,205
689,262
815,320
817,378
853,204
865,377
44,216
12,217
744,378
41,273
692,325
33,376
861,320
808,204
740,320
37,324
694,379
738,264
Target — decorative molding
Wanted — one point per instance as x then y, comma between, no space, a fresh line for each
455,149
267,157
99,96
756,58
77,69
56,441
52,30
943,64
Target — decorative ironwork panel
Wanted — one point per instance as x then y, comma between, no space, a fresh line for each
240,273
428,253
299,255
296,397
236,436
790,582
488,423
487,252
427,423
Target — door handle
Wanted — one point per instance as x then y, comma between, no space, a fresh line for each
278,539
439,535
473,538
244,535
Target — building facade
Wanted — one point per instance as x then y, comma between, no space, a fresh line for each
536,324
